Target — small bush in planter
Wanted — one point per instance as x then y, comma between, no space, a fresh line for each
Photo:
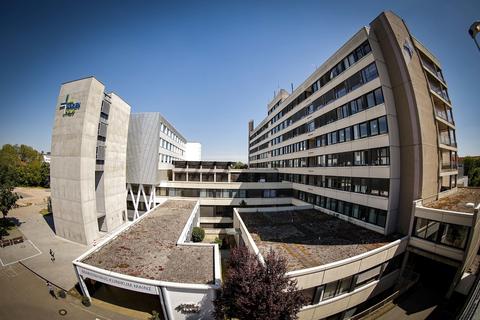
86,302
62,294
218,241
198,234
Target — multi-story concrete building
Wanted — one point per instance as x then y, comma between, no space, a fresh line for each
369,132
368,138
88,159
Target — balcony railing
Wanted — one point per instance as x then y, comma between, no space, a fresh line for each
449,166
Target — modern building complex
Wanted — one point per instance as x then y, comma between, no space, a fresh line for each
352,178
88,161
100,153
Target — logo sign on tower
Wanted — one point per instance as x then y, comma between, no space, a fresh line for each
69,107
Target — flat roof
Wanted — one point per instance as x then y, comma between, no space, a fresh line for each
309,238
148,249
457,201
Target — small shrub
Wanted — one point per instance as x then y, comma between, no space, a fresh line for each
218,241
62,294
155,316
198,234
86,302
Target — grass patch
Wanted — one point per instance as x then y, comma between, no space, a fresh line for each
44,212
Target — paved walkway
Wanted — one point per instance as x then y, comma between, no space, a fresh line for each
25,296
36,229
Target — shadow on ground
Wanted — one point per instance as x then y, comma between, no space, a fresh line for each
49,220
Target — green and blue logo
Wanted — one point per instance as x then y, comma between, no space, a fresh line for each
69,107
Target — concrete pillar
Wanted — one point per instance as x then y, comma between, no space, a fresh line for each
83,286
201,176
229,177
214,177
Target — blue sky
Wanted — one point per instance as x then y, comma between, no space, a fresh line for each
207,66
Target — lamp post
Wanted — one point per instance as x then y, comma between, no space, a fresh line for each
473,31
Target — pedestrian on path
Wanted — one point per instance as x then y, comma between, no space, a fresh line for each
51,290
52,255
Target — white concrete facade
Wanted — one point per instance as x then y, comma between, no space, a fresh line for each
88,160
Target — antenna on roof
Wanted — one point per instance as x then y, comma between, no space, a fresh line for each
291,84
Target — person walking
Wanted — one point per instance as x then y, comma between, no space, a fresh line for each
52,255
51,290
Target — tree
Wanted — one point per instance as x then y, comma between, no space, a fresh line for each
239,165
8,200
253,290
474,177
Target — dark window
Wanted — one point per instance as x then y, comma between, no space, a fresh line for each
382,125
369,73
363,130
370,100
378,96
373,127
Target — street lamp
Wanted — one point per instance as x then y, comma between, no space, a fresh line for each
473,31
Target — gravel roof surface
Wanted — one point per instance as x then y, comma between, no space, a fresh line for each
457,201
148,249
309,238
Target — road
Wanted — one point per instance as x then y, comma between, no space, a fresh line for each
23,295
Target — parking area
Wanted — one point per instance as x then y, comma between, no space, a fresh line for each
34,252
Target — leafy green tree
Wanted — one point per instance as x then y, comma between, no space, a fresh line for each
474,177
8,200
23,165
239,165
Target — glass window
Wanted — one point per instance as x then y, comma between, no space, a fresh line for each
382,125
348,132
344,285
354,81
360,104
368,276
359,158
340,90
341,135
334,137
455,235
378,96
381,218
432,230
370,73
372,216
363,130
370,100
330,289
356,132
373,127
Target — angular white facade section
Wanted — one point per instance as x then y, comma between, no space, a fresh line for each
193,151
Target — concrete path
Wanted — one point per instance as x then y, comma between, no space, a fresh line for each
25,296
36,229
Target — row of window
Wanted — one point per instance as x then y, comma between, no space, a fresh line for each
373,186
291,148
354,106
371,215
167,159
170,146
170,133
369,157
225,193
448,234
336,288
352,57
362,130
